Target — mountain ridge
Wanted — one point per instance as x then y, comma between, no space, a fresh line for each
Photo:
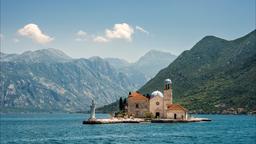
49,55
59,85
50,80
145,67
206,73
214,76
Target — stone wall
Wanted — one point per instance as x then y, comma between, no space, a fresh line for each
180,114
138,108
156,105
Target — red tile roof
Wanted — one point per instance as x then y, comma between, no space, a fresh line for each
176,107
137,96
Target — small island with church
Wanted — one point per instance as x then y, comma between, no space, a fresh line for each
155,108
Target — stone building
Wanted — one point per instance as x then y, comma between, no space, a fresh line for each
137,104
157,104
176,111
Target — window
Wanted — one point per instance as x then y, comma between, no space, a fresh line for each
137,105
157,103
167,86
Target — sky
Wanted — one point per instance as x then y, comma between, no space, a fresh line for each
118,28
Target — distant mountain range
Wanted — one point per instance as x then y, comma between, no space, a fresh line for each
152,62
215,76
49,80
49,55
145,68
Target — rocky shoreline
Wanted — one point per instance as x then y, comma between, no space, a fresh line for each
141,120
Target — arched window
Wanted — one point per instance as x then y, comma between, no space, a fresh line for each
167,86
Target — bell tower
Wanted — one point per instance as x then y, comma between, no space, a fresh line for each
167,94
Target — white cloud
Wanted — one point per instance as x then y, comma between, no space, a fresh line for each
100,39
81,36
34,32
15,40
120,31
81,33
141,29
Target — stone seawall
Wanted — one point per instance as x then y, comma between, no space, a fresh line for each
138,120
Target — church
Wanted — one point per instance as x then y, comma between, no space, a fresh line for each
157,104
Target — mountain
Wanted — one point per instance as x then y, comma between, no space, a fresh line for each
49,55
117,63
216,75
48,80
152,62
143,69
6,57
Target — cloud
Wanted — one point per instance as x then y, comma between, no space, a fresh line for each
141,29
34,32
100,39
81,36
120,31
81,33
15,40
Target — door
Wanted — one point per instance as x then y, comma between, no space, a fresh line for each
175,116
157,114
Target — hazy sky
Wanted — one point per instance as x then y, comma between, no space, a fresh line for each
118,28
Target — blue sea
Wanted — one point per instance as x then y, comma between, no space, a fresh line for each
68,128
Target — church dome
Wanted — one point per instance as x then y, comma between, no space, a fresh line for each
168,81
157,93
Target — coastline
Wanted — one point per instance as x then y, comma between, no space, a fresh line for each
65,112
142,120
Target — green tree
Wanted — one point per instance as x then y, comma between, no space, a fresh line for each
124,103
120,104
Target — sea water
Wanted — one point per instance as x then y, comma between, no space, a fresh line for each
68,128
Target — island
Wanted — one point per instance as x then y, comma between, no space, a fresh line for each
154,108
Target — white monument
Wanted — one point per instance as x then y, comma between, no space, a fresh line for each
92,117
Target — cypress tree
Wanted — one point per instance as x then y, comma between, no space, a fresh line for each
120,104
124,103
